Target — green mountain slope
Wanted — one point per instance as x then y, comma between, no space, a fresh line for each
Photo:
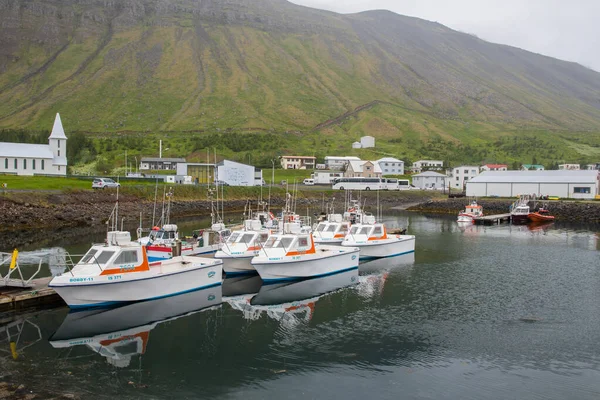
247,65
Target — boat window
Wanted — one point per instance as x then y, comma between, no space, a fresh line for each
377,231
331,228
169,235
89,256
233,237
263,237
152,235
247,238
354,230
104,256
321,227
303,241
365,230
127,257
271,241
285,242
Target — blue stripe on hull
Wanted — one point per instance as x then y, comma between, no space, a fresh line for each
115,303
267,281
365,258
240,273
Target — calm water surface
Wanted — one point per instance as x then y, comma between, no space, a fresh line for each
477,312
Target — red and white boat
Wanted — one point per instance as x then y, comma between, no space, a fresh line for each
541,215
472,211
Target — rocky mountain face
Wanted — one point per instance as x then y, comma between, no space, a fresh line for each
267,64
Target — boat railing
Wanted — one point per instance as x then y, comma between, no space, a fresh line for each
12,259
70,263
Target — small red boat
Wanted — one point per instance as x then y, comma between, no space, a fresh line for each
541,215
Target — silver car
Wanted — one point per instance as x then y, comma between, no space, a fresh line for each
103,183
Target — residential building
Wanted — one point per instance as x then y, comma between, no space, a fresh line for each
36,159
158,163
461,175
298,162
427,165
570,167
339,163
494,167
365,169
429,180
367,142
391,166
564,184
532,167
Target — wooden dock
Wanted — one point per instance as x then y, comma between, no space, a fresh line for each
39,295
492,219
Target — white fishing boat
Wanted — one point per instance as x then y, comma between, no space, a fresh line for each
374,241
472,211
290,256
118,271
120,333
241,246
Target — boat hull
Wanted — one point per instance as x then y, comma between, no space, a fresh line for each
535,217
391,247
332,241
465,218
310,267
233,266
103,291
519,218
161,253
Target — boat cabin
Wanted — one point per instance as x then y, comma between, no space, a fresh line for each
367,232
247,240
474,209
332,230
168,234
521,210
118,255
289,245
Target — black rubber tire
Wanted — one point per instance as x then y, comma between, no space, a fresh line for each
367,188
341,188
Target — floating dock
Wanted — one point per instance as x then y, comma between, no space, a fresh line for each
492,219
38,295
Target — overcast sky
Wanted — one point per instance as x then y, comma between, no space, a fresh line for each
565,29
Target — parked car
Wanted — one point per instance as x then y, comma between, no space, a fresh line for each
309,182
103,183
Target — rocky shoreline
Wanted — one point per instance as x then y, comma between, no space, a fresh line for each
569,211
26,218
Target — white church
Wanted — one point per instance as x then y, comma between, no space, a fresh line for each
33,159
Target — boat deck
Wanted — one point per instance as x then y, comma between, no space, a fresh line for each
492,219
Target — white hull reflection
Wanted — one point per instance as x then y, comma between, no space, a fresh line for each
387,263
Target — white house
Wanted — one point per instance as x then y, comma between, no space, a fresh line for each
237,174
591,167
367,142
36,159
429,180
571,167
298,162
532,167
427,165
494,167
461,175
365,169
335,162
564,184
356,145
391,166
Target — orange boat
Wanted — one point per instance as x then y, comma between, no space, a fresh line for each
542,215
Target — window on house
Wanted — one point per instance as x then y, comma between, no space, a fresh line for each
456,171
33,164
386,164
59,153
59,144
457,178
6,163
466,171
15,163
473,172
585,190
24,163
42,165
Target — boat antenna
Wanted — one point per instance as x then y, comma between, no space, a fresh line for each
155,195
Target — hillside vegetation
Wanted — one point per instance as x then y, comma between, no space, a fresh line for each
204,74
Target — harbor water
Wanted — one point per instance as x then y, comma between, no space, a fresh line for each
476,312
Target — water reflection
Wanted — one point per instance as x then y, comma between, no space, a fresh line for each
120,333
287,302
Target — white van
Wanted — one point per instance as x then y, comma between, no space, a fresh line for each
310,182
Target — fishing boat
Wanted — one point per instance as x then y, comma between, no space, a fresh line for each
291,256
541,215
471,211
374,241
519,210
118,271
333,228
241,246
120,333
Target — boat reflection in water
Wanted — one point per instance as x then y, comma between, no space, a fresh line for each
372,284
289,302
120,333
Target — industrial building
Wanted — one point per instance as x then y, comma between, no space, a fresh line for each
563,184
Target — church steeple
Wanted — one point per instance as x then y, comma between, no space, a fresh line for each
57,130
